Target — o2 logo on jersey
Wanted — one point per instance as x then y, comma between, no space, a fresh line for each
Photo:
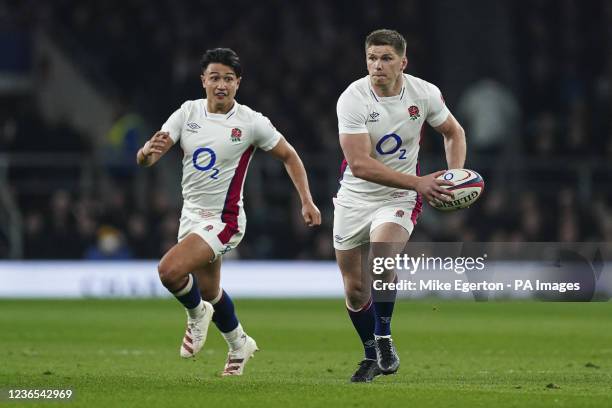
390,144
206,155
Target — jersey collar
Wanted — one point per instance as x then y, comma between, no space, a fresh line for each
398,97
220,116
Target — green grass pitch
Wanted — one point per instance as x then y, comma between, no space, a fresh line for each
124,353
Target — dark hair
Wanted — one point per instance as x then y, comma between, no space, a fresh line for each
387,37
225,56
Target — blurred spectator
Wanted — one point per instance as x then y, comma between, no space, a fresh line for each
110,245
491,115
140,237
569,230
122,142
35,243
491,218
61,229
543,134
116,208
168,231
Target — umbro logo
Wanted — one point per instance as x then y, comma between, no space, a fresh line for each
338,238
193,125
374,117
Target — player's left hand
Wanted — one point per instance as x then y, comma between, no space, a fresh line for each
311,214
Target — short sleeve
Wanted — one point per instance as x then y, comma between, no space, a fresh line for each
437,111
352,114
265,135
174,124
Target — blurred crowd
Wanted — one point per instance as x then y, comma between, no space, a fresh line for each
297,58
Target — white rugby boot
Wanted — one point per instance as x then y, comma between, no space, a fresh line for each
196,332
237,359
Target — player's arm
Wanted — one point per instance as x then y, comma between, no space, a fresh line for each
154,149
454,142
357,148
295,168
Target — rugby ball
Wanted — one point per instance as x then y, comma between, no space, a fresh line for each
468,187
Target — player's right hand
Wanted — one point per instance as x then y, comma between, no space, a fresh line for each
431,188
159,143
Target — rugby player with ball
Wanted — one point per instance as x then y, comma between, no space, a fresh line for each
380,119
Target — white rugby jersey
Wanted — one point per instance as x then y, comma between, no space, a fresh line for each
217,151
394,124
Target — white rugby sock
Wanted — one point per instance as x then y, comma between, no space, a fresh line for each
236,338
197,311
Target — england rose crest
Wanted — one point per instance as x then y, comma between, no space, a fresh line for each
413,111
236,135
399,213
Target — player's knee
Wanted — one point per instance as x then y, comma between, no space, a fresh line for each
356,293
356,302
170,274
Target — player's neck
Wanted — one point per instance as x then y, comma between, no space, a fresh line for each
219,108
393,89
